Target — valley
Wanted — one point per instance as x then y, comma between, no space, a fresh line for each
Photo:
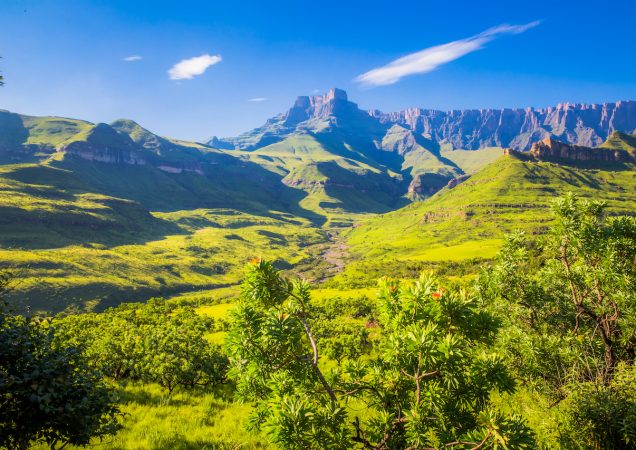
93,215
317,225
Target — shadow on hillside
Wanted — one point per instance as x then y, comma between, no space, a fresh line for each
368,192
78,202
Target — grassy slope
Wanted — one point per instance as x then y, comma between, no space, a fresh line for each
621,141
337,182
53,131
94,276
343,184
85,236
192,420
471,161
469,220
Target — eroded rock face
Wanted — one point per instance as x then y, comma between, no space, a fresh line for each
471,129
333,103
581,124
551,149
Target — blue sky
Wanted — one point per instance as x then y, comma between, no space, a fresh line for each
67,57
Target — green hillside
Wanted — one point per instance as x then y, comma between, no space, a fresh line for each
469,221
621,141
339,183
343,180
88,234
97,214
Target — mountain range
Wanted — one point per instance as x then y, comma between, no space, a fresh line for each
341,158
99,213
582,124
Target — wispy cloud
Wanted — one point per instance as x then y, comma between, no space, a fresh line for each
258,99
133,58
431,58
189,68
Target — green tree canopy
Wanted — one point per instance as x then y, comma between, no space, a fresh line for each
569,310
48,393
427,386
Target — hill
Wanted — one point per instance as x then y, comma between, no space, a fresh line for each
347,160
92,214
469,220
621,141
96,213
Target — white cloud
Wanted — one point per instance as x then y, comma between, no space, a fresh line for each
431,58
133,58
189,68
258,99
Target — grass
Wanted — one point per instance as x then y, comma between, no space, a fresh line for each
340,184
53,131
220,311
188,420
469,221
87,235
95,277
621,141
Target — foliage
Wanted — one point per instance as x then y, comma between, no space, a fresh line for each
607,412
428,387
154,342
48,392
340,324
569,316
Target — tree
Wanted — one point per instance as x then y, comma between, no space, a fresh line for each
48,393
428,387
154,342
569,308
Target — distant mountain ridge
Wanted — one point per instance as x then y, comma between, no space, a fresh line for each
325,155
581,124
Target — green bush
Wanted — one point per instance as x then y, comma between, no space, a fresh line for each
428,387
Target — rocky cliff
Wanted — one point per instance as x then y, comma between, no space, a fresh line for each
103,144
580,124
552,150
328,113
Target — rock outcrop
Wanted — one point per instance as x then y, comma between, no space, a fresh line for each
552,150
103,143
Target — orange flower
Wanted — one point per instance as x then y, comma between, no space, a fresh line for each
255,261
436,295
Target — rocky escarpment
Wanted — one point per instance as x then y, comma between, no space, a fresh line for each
552,150
126,142
581,124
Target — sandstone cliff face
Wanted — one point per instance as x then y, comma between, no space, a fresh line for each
587,125
332,104
550,149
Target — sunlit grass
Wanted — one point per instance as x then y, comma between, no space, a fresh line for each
187,420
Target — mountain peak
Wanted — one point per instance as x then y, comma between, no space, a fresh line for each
336,94
332,103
